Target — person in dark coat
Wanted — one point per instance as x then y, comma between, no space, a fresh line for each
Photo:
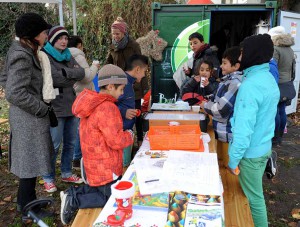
65,73
30,141
121,49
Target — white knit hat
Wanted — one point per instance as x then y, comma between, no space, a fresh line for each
279,30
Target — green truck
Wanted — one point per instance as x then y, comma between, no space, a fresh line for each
176,22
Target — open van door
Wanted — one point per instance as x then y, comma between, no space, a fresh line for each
291,23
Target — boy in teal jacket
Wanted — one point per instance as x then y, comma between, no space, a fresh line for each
253,122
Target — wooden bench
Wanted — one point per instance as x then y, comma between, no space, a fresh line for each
237,210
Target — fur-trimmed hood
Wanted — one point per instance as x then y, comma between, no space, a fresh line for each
284,40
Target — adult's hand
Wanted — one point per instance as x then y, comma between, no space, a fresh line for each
130,114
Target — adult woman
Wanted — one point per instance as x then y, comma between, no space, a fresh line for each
121,49
30,141
65,73
284,56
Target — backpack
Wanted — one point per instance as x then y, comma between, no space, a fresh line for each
271,167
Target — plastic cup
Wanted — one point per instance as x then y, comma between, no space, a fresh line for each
201,82
196,109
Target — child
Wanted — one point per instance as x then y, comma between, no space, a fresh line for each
102,141
202,51
76,48
137,66
253,122
200,86
221,108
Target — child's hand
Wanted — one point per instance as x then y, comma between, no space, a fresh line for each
186,71
130,114
197,78
235,171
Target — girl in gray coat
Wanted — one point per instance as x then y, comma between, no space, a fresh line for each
30,141
65,73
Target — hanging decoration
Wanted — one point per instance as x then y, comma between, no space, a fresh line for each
152,45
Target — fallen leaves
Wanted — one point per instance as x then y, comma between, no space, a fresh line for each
7,199
296,213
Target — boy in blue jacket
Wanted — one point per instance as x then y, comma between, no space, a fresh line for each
137,66
253,122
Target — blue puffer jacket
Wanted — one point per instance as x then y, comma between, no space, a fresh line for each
254,113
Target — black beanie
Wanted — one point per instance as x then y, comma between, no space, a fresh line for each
29,25
257,49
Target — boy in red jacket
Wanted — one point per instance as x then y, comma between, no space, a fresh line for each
102,142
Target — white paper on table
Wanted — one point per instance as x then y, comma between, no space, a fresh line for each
148,171
193,172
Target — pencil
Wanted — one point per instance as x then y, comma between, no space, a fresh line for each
148,181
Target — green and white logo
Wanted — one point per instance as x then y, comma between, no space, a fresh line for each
181,51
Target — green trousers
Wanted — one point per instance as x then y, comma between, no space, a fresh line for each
250,177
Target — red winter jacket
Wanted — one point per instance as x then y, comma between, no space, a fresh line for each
101,136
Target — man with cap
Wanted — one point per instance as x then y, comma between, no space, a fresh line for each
65,73
253,122
22,78
102,141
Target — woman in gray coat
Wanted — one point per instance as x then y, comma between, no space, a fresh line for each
30,140
284,56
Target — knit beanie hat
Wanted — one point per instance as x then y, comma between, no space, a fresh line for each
111,74
56,32
279,30
257,49
29,25
120,24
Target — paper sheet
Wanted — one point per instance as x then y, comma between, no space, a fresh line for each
193,172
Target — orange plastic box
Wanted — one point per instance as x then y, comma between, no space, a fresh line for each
182,137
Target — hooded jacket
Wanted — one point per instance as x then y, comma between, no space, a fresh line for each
284,56
101,136
255,108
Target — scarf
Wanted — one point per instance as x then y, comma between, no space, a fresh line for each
48,90
122,44
200,52
65,55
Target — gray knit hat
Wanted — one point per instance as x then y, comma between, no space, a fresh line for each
111,74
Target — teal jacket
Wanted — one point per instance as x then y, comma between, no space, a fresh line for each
253,120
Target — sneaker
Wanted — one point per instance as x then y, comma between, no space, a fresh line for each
271,167
76,164
66,211
50,187
73,179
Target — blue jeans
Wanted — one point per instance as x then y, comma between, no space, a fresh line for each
280,122
66,131
77,149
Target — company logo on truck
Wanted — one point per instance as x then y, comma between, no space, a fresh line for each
181,51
